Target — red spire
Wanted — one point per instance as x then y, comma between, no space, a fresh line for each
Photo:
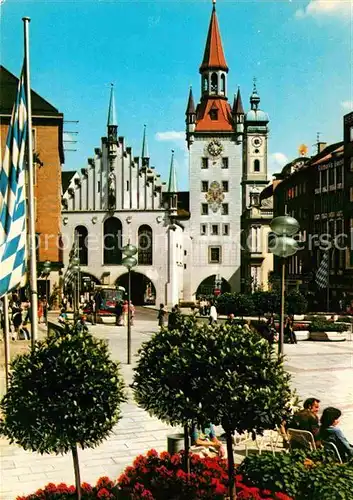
190,109
213,57
238,105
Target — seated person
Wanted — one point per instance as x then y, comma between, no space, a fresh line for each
207,438
330,432
63,316
24,332
306,419
230,319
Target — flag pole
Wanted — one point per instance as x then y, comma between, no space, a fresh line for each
6,339
31,208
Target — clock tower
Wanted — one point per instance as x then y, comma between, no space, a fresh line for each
214,134
255,150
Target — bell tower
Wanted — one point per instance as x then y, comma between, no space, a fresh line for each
214,132
255,149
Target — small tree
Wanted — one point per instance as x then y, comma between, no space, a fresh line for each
65,392
240,384
296,303
164,381
266,302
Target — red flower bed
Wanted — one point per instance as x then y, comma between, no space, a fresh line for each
160,477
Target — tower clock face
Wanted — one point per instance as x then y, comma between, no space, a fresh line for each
256,141
215,148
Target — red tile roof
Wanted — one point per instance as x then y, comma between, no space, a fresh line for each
203,119
214,56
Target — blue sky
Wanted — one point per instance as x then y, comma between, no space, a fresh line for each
301,53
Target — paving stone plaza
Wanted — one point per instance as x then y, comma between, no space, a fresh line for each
323,370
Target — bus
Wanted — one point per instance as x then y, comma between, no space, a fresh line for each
106,298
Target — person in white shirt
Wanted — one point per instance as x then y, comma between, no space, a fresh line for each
213,314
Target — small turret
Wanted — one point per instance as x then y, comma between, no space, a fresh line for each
172,189
112,123
238,113
190,119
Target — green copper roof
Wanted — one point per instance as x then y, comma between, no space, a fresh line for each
112,119
172,184
144,153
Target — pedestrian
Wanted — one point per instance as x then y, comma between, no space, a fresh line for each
289,331
81,324
45,309
213,315
125,311
132,313
161,315
93,309
62,319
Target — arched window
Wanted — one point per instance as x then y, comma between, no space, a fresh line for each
145,245
256,165
205,84
81,234
112,241
214,83
223,84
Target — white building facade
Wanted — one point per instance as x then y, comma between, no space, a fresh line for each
120,197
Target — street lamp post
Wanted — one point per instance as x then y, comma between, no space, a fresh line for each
129,261
46,272
75,268
283,245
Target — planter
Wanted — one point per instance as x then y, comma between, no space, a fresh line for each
302,334
328,336
107,320
175,443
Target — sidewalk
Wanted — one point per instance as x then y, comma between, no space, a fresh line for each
323,370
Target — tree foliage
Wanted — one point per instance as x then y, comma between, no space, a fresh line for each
296,303
65,391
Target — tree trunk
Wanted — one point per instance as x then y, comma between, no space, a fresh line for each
77,472
231,471
186,449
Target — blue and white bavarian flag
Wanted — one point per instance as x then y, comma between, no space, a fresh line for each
13,234
322,274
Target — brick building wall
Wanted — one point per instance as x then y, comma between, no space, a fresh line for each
47,133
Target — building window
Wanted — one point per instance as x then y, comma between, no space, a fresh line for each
256,165
127,186
204,209
351,165
223,84
145,245
99,187
81,239
185,253
204,163
34,139
225,186
214,83
214,255
204,186
225,209
184,266
112,241
203,229
214,114
205,84
339,175
214,230
351,134
225,163
351,194
225,229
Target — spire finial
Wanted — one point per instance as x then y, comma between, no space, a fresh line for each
172,184
144,152
214,4
254,84
112,120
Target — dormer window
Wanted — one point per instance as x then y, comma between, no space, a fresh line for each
214,114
